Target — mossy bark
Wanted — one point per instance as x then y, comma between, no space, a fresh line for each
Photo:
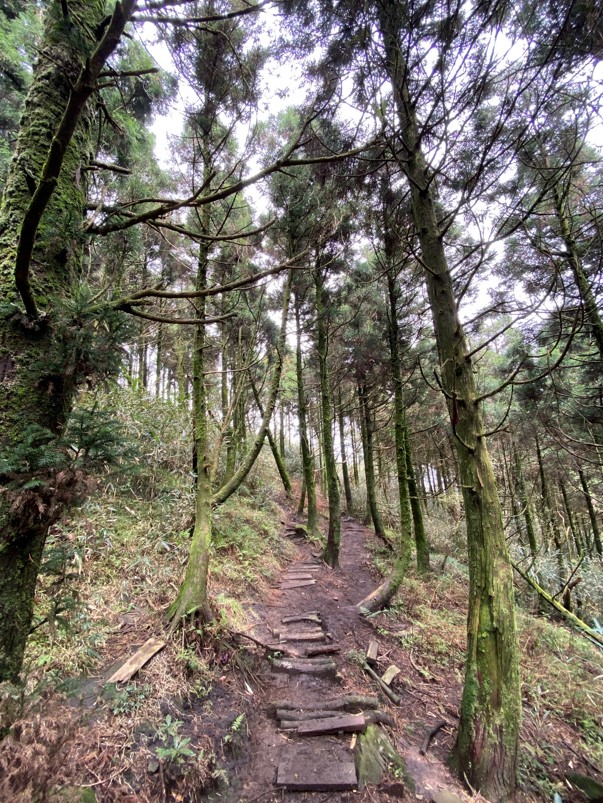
37,383
421,542
487,740
302,414
331,550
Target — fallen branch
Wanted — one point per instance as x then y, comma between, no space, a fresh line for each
384,687
269,647
571,617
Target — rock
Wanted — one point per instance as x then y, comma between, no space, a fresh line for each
443,796
591,788
375,755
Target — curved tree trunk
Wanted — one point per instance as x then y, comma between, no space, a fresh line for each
488,736
247,463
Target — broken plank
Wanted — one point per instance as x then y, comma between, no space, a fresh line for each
315,666
312,616
347,723
128,669
286,586
372,652
390,673
327,649
317,769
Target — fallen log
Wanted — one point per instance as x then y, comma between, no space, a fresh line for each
568,615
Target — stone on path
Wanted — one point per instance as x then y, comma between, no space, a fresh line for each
316,768
445,797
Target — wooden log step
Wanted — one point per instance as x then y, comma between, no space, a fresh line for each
311,616
298,576
346,702
326,649
299,715
314,635
300,666
287,586
316,768
347,723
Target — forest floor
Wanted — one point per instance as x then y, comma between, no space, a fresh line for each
196,723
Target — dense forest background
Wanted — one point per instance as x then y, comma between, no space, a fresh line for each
366,275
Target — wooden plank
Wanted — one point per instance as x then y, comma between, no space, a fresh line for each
128,669
285,586
299,666
316,768
390,673
348,723
327,649
297,576
314,635
372,652
311,616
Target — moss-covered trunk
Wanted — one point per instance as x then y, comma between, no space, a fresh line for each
37,373
526,503
192,596
487,741
331,551
421,542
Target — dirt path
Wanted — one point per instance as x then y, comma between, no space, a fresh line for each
333,596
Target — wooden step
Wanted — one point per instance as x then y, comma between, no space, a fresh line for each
347,723
300,666
310,616
299,635
316,768
288,586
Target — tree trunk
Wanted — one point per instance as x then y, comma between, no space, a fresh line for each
192,599
369,463
526,503
331,551
38,369
591,513
344,460
488,736
306,452
421,542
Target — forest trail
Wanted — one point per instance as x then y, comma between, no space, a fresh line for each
318,606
